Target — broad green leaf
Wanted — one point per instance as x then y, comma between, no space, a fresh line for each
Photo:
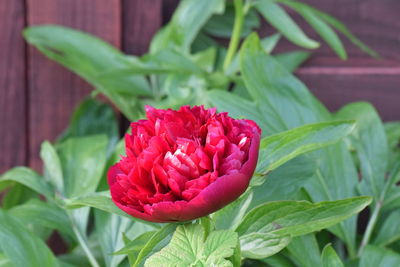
238,107
101,201
21,246
109,229
330,258
277,149
284,182
44,214
52,166
278,260
28,178
284,101
83,160
189,246
262,245
389,231
319,25
304,251
221,25
295,218
134,246
392,200
379,257
189,17
231,215
278,18
90,57
17,195
4,261
93,117
371,145
292,60
157,241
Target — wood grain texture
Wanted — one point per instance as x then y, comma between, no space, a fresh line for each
53,90
141,20
13,139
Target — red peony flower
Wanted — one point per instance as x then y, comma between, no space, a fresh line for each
185,164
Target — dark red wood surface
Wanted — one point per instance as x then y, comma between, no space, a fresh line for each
37,95
13,98
53,90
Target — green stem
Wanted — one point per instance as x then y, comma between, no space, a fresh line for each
378,206
237,31
83,242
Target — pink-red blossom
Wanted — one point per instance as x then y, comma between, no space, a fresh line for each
185,164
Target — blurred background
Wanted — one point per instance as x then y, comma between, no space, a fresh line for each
37,96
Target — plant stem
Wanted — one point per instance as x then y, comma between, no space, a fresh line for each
237,31
83,242
378,206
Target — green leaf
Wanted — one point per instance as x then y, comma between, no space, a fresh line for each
278,18
379,257
21,246
52,166
330,258
292,60
393,134
154,243
284,101
189,17
133,247
90,57
83,160
187,248
389,231
278,260
297,250
101,201
262,245
109,229
93,117
270,42
323,29
297,218
221,25
277,149
43,214
17,195
238,107
28,178
284,182
371,145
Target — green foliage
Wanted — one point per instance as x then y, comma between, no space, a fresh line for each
309,166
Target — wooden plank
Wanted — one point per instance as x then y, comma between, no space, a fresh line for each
54,91
13,130
141,20
380,87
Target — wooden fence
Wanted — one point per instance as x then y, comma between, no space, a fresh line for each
37,95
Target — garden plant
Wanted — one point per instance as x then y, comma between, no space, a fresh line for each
229,159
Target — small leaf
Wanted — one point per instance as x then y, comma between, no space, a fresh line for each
278,18
330,258
22,247
187,247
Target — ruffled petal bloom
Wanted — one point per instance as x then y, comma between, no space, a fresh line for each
185,164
